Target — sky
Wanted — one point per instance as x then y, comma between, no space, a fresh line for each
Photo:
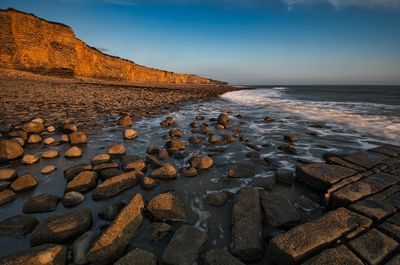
279,42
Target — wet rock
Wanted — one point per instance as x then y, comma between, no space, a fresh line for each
73,152
278,210
163,154
230,138
83,182
195,140
42,255
184,246
217,198
64,138
290,138
61,228
7,174
50,154
138,257
34,139
166,171
285,176
220,257
71,172
159,231
70,128
247,229
154,161
51,129
24,182
4,185
81,247
241,171
176,144
189,172
19,134
268,119
213,138
202,162
33,127
114,185
153,150
339,255
48,169
18,225
133,162
306,204
199,117
7,196
167,206
148,183
103,166
109,173
117,149
175,133
288,149
78,138
219,127
30,159
169,121
41,203
394,261
366,159
130,134
20,141
175,153
223,117
253,154
100,158
266,183
10,149
110,211
115,240
72,199
125,121
374,209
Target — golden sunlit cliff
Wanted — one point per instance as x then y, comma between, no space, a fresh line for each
33,44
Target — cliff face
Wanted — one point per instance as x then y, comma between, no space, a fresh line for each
33,44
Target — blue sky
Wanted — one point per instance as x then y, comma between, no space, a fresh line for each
242,41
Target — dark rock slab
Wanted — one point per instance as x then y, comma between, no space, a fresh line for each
24,182
278,210
112,186
366,159
395,219
81,247
184,246
385,151
71,172
103,166
218,198
7,174
334,160
159,231
7,196
247,229
4,185
110,211
394,261
61,228
138,257
322,176
167,206
394,200
113,243
48,254
109,173
241,171
285,176
266,183
133,162
335,256
373,246
374,209
154,161
41,203
221,257
83,182
391,229
18,225
303,241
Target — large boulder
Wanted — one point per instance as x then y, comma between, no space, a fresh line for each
167,206
10,149
133,162
114,185
41,203
42,255
279,211
18,225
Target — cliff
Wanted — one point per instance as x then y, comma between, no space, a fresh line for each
33,44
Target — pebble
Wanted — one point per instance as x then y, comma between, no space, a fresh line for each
72,198
48,169
78,138
49,154
130,134
51,129
159,231
189,171
100,158
125,121
73,152
166,171
49,140
28,159
34,139
117,149
41,203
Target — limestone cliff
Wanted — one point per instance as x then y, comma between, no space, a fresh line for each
33,44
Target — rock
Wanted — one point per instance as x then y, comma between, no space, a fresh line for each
133,162
175,153
374,246
268,119
202,162
253,155
4,185
223,117
189,172
217,198
34,139
175,133
10,149
220,257
70,128
18,225
83,182
71,172
339,255
24,182
78,138
114,185
130,134
306,204
39,120
278,210
73,152
7,196
7,174
154,161
41,203
184,246
374,209
42,255
311,237
137,257
64,138
19,134
72,199
113,243
247,228
199,118
100,158
109,173
285,176
153,150
167,206
163,154
125,121
148,183
33,127
103,166
48,169
61,228
290,138
230,138
81,246
176,144
241,171
30,159
213,138
394,261
264,182
110,211
288,149
166,171
159,231
50,129
219,127
20,141
366,159
195,140
117,149
167,122
50,154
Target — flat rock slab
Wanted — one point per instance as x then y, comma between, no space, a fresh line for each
322,176
374,209
18,225
114,185
303,241
373,246
247,228
391,229
385,151
279,211
184,246
138,257
338,161
363,188
42,255
61,228
335,256
221,257
113,243
394,200
41,203
394,261
366,160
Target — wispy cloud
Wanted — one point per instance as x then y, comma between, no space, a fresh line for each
339,4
